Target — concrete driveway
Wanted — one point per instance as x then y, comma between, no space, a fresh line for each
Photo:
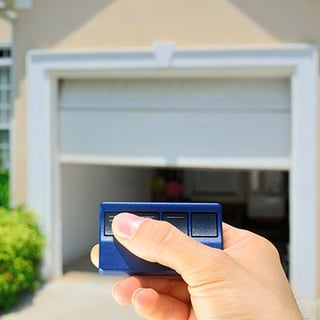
76,295
87,296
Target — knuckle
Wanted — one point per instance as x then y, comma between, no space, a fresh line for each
269,248
161,237
164,237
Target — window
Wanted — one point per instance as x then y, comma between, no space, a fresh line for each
5,53
4,148
5,95
5,105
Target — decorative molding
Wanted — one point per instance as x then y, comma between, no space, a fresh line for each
163,53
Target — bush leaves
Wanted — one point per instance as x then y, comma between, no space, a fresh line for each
21,248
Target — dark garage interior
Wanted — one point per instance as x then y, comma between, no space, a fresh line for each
255,200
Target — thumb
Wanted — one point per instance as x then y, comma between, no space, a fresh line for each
159,241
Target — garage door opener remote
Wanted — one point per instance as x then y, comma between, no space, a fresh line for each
201,221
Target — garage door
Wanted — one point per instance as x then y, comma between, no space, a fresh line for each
175,121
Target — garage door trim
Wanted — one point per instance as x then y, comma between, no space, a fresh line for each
300,62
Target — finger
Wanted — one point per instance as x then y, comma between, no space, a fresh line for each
233,236
152,305
237,239
159,241
172,286
94,255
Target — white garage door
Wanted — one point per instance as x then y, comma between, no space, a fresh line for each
175,121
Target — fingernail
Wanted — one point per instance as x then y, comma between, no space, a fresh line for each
118,295
115,295
125,225
94,255
136,294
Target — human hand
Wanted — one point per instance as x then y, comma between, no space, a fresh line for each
243,281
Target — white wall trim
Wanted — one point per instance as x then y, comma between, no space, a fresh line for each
217,163
5,44
5,62
298,62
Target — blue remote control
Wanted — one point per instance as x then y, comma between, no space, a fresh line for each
201,221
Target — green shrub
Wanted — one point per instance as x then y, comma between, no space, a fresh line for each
21,247
4,188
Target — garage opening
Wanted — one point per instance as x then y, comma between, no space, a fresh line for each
192,122
254,200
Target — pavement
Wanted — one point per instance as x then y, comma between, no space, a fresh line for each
79,295
75,295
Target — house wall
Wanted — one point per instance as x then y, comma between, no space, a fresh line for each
127,24
100,25
5,30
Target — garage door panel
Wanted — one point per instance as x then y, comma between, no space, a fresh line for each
270,94
175,134
175,118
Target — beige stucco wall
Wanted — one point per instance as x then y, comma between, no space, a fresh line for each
5,30
126,23
118,24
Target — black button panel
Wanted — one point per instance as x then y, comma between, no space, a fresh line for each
204,224
178,219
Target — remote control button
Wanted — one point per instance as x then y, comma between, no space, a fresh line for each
108,218
178,219
204,224
152,215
